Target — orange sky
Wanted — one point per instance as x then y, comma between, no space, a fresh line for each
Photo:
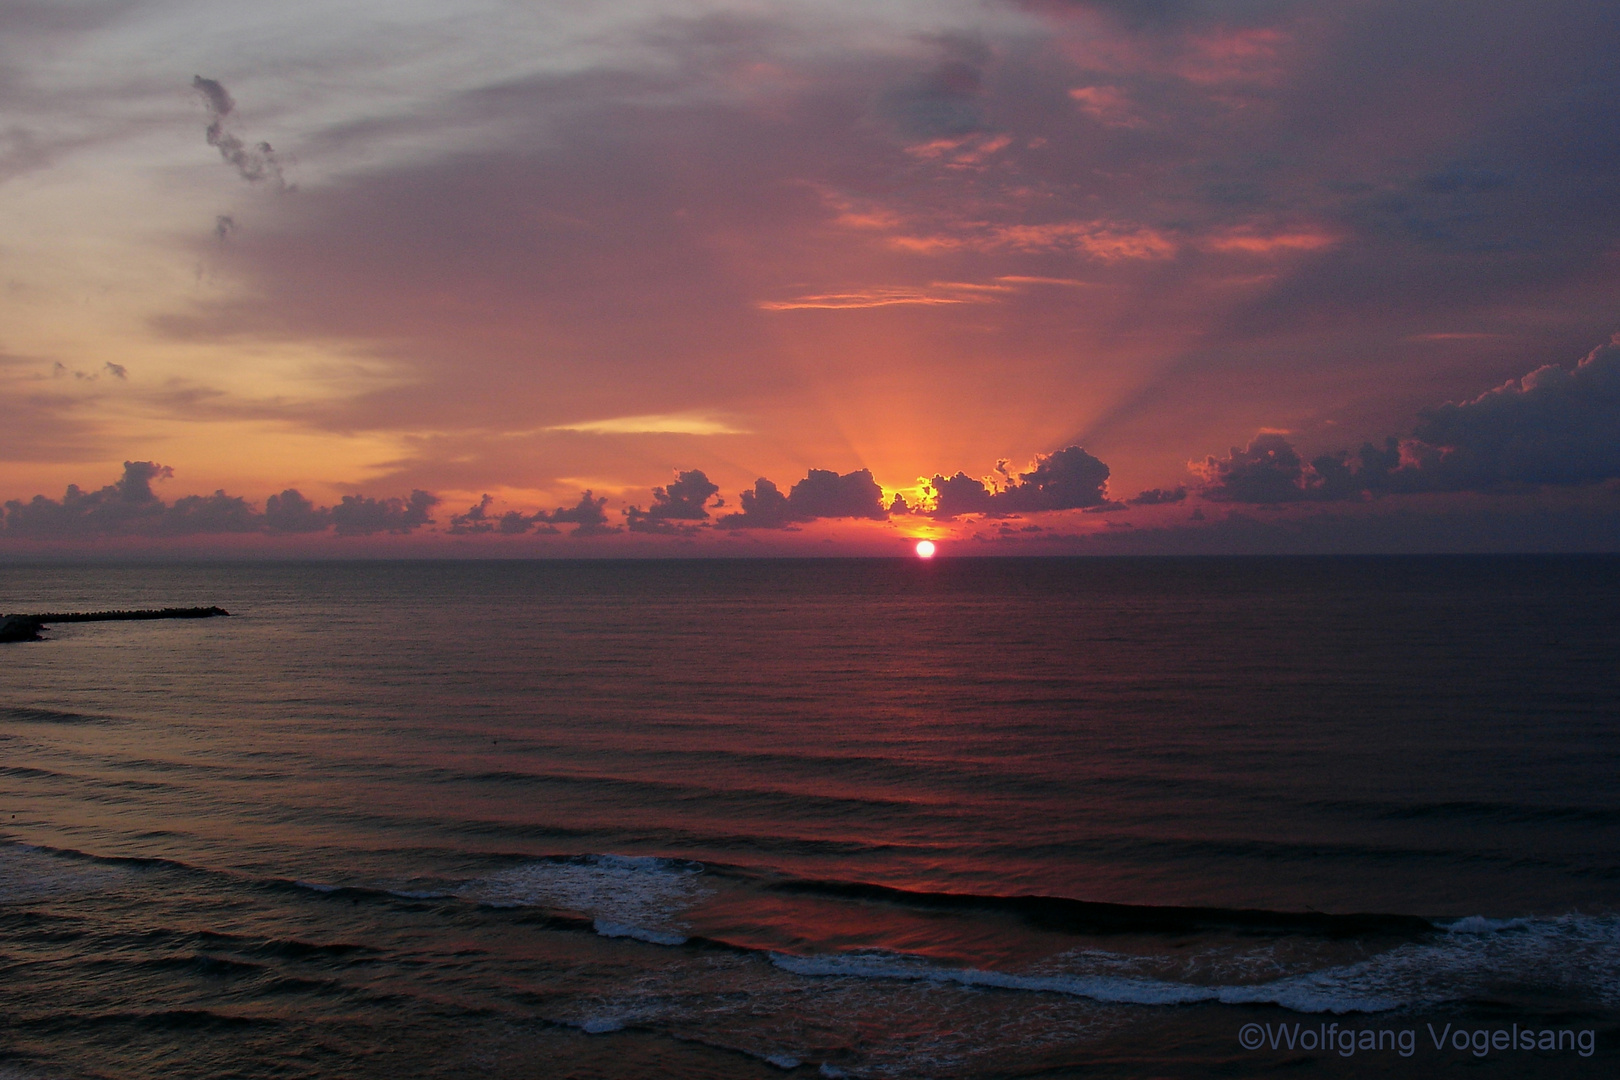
522,251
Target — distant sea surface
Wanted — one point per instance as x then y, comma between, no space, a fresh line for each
867,818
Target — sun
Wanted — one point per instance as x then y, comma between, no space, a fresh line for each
925,549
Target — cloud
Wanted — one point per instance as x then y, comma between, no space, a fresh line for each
945,100
649,238
290,512
206,514
478,519
252,163
1066,479
765,507
661,424
60,370
825,494
360,515
587,516
127,505
1159,496
1268,470
1553,426
821,494
475,520
130,507
513,523
683,501
1107,105
876,298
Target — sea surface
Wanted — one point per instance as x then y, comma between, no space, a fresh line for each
957,818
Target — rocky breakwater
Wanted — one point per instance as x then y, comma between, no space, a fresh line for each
27,627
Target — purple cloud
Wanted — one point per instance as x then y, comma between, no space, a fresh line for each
1554,426
821,494
675,506
1066,479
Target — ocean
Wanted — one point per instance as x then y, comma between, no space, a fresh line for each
959,818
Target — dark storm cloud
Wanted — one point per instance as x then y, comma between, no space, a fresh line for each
1554,426
252,163
130,507
1068,479
821,494
675,506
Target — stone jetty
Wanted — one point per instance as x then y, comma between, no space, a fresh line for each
27,627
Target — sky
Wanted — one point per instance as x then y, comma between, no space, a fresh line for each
492,277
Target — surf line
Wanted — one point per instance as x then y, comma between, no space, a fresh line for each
27,627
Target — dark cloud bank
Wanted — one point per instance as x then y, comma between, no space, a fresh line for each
1555,426
129,507
1554,429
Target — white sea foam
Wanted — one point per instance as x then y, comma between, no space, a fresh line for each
654,937
1479,924
1305,994
1571,952
638,897
28,873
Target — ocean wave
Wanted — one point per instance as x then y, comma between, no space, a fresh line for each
633,896
29,873
1092,917
24,715
1313,993
652,937
1474,958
